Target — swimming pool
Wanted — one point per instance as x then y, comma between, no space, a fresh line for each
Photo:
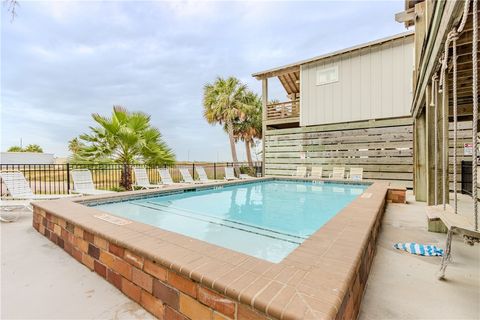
175,271
266,219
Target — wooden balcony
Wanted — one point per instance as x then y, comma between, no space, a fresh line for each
283,112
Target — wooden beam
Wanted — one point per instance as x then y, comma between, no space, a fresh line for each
444,153
278,72
438,151
463,109
430,147
275,122
285,83
291,78
392,122
420,156
407,16
420,32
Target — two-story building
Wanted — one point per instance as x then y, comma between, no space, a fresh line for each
348,108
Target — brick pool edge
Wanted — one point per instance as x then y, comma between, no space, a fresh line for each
177,277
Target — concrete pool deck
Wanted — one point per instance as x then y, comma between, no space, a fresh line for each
35,272
405,286
413,291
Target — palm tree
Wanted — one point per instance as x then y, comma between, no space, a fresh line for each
74,146
29,148
224,103
15,149
250,127
126,138
33,148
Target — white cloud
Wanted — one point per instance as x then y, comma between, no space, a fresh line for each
187,9
61,61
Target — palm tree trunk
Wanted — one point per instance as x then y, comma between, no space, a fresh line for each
248,152
232,142
126,177
232,145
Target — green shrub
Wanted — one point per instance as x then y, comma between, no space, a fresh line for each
117,189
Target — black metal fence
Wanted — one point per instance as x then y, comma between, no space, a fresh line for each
56,179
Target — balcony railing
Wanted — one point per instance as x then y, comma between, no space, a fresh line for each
283,110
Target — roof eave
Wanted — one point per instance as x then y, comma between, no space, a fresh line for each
291,67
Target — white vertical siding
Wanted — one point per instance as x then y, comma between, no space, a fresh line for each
374,83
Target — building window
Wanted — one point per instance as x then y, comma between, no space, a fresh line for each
327,75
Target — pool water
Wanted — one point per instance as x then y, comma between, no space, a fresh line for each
267,219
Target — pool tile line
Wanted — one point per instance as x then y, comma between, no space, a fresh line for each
182,188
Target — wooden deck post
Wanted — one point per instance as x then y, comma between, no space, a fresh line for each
420,182
430,146
445,140
420,31
439,146
264,120
419,125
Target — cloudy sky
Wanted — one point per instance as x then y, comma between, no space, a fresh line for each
61,61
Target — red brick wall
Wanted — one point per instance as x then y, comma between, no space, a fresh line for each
161,291
351,303
397,195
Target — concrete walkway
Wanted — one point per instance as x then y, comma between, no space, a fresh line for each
404,286
41,281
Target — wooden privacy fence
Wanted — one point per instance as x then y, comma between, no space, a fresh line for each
383,148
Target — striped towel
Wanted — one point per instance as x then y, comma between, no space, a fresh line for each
419,249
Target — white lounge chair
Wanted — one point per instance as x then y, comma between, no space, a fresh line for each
202,175
355,174
301,172
165,176
142,181
245,176
186,176
10,210
230,174
19,189
316,172
338,173
83,183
